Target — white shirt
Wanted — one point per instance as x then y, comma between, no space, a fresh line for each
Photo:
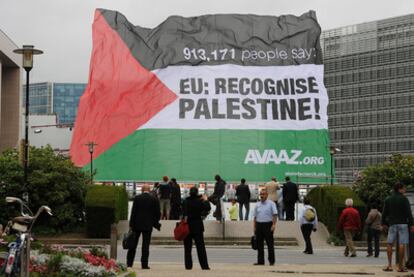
302,219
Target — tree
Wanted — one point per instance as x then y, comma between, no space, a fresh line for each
376,182
53,181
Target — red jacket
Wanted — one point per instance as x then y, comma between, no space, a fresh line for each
349,220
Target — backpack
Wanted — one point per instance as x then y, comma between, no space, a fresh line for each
309,214
165,191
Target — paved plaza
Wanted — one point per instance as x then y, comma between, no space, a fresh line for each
228,261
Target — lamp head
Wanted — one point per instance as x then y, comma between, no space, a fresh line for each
333,150
28,51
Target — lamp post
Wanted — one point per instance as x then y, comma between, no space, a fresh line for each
91,146
28,52
333,150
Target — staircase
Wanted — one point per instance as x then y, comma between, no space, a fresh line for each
237,233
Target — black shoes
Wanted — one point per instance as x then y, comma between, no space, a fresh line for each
353,255
145,267
264,264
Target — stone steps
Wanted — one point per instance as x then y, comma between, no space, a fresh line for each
219,241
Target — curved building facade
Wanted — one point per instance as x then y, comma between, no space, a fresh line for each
369,74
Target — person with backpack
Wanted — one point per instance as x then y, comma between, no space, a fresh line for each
308,222
374,228
164,194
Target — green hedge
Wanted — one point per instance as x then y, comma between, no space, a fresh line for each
104,206
329,201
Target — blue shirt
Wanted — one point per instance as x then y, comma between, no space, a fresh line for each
264,211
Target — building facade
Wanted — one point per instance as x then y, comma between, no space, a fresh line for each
10,91
61,99
369,75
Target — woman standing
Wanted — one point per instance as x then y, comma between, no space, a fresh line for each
373,223
194,208
308,223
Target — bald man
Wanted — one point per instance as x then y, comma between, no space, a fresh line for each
145,215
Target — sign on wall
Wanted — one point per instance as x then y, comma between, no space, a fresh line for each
237,95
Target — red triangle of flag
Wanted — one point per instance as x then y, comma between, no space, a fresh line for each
121,95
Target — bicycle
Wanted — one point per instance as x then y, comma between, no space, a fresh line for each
18,258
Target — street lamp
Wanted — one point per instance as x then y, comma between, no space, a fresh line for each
27,51
333,150
91,146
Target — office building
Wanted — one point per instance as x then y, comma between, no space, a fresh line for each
10,91
369,74
61,99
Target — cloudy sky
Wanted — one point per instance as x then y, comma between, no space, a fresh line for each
62,28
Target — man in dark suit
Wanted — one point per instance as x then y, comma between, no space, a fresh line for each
195,207
290,197
145,214
219,190
243,197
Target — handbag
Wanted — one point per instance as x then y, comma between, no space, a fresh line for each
253,242
181,230
128,240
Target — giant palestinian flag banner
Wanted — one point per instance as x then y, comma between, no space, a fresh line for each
237,95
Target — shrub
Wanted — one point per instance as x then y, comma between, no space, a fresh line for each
53,180
329,201
104,206
376,182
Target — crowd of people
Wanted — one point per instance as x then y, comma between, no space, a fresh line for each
164,202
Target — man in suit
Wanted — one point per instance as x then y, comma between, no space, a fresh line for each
145,214
290,197
195,207
219,190
243,197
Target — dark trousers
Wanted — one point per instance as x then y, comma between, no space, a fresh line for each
217,213
175,212
306,232
264,233
146,239
246,205
290,210
201,250
373,234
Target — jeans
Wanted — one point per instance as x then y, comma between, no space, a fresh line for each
247,207
373,234
401,229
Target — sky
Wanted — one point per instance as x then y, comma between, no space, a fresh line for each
63,28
